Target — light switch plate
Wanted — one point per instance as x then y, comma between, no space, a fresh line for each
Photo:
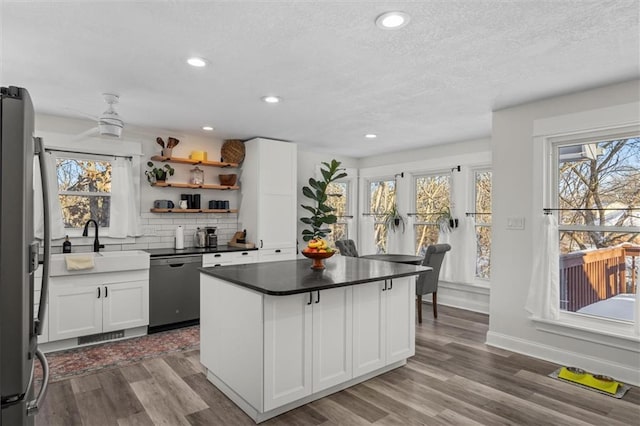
515,223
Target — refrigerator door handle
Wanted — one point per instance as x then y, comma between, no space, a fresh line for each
44,291
34,405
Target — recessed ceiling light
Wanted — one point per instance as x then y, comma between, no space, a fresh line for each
271,99
197,62
392,20
370,136
207,128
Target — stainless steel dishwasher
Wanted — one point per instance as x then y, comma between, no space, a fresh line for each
174,291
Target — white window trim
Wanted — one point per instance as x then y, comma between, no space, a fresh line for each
92,146
478,281
620,119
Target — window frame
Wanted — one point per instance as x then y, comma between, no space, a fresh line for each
377,217
58,143
473,201
77,232
414,196
607,123
350,207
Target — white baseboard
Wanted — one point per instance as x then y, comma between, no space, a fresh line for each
629,374
462,296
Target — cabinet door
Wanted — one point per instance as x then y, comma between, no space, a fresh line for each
277,195
287,349
369,328
74,310
400,321
125,305
332,337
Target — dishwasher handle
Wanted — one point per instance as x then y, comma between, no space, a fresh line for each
176,261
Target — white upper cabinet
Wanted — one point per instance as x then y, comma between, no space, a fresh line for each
268,193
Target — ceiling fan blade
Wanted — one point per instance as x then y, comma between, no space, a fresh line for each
91,132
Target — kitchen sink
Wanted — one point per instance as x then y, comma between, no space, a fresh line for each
107,261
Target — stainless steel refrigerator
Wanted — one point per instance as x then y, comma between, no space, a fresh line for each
19,258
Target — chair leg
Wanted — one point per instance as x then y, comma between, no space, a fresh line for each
435,304
419,308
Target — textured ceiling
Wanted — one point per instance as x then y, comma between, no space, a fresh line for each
432,82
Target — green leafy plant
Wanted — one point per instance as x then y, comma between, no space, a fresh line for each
321,213
158,173
445,220
393,219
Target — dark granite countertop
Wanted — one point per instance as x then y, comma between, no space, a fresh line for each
193,250
296,276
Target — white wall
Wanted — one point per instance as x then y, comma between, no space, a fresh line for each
513,250
158,228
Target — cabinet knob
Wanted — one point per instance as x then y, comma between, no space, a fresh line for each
98,292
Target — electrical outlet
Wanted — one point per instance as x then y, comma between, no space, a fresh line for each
515,223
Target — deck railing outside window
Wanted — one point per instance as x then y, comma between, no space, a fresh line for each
587,277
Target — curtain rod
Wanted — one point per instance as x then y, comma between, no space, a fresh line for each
475,213
68,151
586,210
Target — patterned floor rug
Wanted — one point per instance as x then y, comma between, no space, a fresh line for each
81,361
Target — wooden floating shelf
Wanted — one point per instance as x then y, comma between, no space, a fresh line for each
194,211
190,185
193,162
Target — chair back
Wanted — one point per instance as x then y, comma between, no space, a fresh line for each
347,248
428,282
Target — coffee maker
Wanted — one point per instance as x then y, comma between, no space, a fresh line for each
211,238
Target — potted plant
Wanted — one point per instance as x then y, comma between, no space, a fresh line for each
158,174
445,221
392,219
321,213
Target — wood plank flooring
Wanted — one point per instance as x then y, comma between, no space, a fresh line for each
454,379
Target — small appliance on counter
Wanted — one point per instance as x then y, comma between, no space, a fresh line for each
200,238
212,238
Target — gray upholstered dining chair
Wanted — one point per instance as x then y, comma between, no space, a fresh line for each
347,248
428,282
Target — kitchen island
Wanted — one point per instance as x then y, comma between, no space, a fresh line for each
275,336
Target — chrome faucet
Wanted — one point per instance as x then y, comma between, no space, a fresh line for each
96,243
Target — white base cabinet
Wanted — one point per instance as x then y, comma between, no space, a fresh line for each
302,346
383,323
229,258
82,305
307,344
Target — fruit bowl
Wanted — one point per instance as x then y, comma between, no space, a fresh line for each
318,258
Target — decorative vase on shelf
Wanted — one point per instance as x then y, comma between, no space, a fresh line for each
166,152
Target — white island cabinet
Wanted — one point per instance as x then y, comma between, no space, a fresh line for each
277,335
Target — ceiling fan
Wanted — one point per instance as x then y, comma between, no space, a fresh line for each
109,122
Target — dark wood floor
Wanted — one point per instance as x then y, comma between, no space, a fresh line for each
453,379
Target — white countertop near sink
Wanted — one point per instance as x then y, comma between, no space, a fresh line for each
107,261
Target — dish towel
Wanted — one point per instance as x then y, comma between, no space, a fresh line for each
78,263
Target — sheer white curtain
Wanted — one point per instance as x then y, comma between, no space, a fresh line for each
543,300
367,236
446,270
467,254
55,210
124,217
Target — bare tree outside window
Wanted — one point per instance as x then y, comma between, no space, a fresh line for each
338,198
599,221
483,223
84,189
433,195
382,196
